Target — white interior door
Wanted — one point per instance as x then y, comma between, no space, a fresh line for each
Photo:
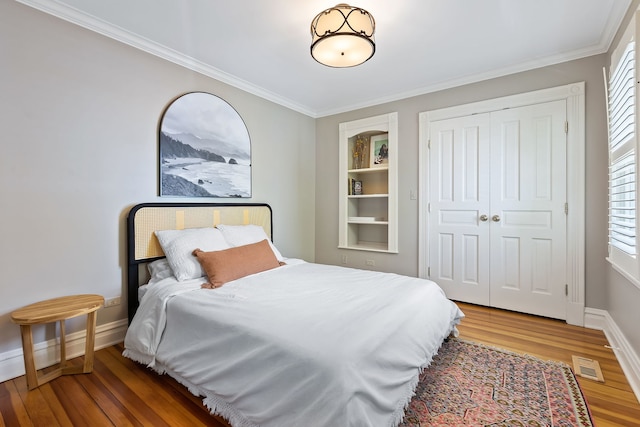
460,195
497,223
528,196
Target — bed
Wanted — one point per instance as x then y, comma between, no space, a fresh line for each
289,344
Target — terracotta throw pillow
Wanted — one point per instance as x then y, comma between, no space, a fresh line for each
231,264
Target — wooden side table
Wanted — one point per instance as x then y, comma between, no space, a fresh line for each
54,310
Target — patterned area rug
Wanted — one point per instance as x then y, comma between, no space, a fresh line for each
470,384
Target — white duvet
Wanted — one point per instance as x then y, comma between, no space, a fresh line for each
301,345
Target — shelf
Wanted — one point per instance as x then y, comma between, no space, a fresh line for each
369,246
369,170
369,222
366,196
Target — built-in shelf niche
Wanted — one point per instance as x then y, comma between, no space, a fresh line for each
369,209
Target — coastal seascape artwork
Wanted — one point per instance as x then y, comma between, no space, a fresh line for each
205,149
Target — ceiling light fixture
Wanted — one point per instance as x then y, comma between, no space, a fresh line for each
342,36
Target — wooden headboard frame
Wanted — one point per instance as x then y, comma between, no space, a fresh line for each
145,218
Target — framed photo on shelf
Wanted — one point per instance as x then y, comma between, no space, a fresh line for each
379,150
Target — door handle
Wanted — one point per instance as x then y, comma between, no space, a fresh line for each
483,218
495,218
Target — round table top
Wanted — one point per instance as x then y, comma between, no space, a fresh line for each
56,309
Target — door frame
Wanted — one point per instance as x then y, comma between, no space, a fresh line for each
574,94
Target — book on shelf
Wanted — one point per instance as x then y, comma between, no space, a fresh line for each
354,187
357,188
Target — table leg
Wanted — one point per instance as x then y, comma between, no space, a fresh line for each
29,361
63,345
90,342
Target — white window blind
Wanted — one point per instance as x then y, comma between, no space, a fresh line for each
622,101
622,203
622,160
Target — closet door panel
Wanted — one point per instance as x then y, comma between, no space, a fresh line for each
459,185
528,194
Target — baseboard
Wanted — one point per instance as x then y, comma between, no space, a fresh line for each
627,357
47,352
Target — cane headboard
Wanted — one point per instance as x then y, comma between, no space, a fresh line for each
144,219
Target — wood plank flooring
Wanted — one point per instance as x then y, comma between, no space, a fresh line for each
120,392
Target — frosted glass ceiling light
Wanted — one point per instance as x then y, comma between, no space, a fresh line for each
342,36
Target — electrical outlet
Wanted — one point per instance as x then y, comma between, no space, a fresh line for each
370,262
344,259
112,302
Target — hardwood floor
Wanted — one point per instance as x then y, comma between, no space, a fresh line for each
120,392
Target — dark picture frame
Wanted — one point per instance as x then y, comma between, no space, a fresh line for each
204,149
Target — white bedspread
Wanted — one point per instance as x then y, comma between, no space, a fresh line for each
300,345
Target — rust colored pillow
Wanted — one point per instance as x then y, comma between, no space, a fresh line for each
231,264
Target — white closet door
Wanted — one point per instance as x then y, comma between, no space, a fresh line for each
459,189
497,222
528,196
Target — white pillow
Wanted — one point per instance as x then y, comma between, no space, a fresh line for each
178,246
159,270
240,235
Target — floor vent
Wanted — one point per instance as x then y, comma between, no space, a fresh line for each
587,368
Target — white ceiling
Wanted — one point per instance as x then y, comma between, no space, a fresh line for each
262,46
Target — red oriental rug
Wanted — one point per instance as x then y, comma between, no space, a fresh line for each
470,384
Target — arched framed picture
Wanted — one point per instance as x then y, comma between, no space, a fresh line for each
205,149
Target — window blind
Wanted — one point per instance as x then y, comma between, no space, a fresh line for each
622,156
622,100
622,203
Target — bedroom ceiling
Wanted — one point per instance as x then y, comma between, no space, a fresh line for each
262,46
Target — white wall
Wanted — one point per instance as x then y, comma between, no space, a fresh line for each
79,117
